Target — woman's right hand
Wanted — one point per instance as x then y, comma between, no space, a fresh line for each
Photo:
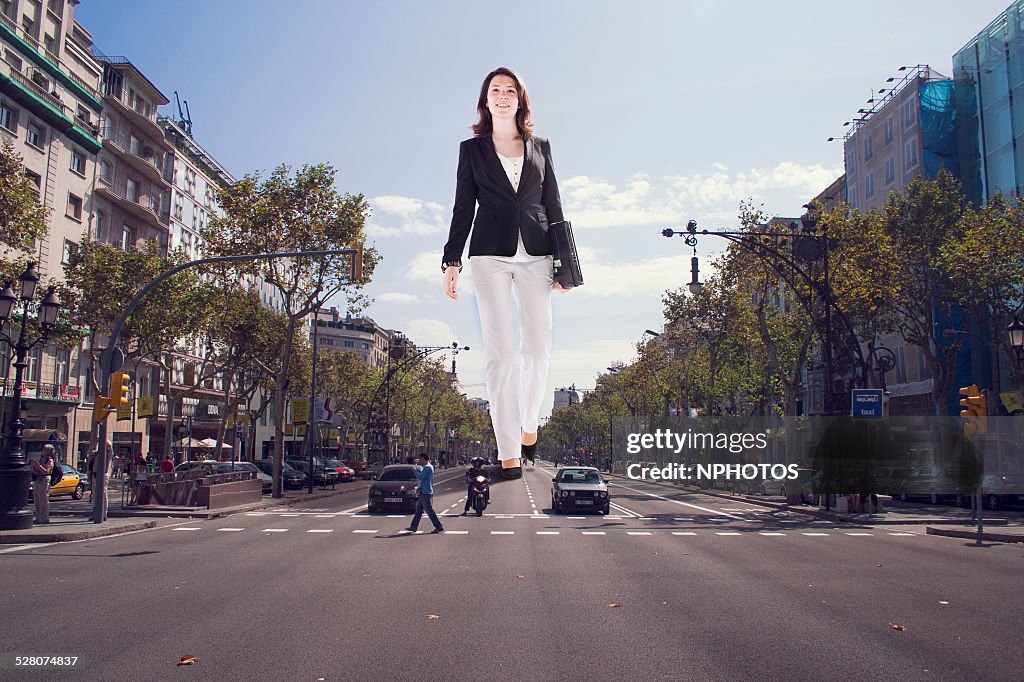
451,278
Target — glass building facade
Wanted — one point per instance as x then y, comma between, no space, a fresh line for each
989,77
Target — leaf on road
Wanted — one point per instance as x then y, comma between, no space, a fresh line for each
433,617
897,626
614,606
188,659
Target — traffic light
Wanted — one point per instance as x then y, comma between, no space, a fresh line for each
975,412
100,409
120,387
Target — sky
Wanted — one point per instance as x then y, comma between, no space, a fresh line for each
658,112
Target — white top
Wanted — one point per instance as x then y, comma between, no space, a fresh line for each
513,166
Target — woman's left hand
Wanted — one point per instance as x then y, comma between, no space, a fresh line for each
559,287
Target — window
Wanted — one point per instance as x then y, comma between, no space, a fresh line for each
869,186
83,115
127,238
61,366
909,114
851,159
910,154
107,126
9,117
101,219
70,249
13,60
901,366
890,170
134,146
350,344
868,152
106,171
48,42
36,136
190,181
36,179
33,358
132,190
78,162
922,363
888,131
179,205
74,207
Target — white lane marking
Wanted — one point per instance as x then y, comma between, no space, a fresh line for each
718,519
575,518
18,548
189,528
773,534
275,530
353,509
540,516
229,530
680,518
682,532
290,515
548,532
638,532
363,530
816,535
456,532
255,513
727,533
594,532
908,535
321,530
684,504
395,516
629,512
325,516
860,535
503,532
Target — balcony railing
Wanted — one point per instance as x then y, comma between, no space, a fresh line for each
123,99
31,389
34,87
31,40
143,201
123,143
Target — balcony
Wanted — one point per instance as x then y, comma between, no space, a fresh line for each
35,88
142,206
135,156
31,390
64,69
124,104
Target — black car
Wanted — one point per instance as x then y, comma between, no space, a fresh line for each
579,488
396,486
321,475
290,477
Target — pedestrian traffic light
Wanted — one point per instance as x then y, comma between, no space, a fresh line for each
975,412
120,387
100,409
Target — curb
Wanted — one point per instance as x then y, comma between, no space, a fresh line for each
973,535
71,535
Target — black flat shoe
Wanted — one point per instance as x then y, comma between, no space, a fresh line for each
512,473
529,452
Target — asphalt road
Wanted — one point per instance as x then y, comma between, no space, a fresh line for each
705,588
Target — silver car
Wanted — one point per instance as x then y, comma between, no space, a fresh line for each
579,488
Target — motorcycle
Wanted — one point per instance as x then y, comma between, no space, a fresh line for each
480,494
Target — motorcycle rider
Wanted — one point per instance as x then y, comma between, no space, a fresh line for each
476,469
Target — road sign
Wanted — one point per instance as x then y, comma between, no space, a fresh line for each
867,403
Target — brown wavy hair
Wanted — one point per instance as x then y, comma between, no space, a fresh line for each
524,122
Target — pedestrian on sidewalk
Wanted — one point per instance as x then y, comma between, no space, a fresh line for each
140,476
166,466
425,502
41,470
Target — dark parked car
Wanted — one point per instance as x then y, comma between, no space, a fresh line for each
889,480
290,477
999,491
933,483
580,488
321,475
396,486
265,479
345,473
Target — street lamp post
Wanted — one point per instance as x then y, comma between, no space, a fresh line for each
1016,333
311,412
14,470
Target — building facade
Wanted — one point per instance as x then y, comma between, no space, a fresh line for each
50,105
359,334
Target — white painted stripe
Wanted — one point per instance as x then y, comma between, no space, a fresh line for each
395,516
321,530
638,532
773,534
456,532
275,530
817,535
255,513
189,528
503,532
503,516
718,519
364,530
540,516
229,530
679,518
628,512
685,504
903,534
576,518
547,532
727,533
861,535
325,516
682,532
291,514
594,532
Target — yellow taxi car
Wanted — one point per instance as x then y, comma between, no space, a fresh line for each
73,483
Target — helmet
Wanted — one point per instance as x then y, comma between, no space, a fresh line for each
477,461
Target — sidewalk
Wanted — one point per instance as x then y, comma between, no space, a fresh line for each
893,513
67,529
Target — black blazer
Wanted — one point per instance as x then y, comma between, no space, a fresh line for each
503,213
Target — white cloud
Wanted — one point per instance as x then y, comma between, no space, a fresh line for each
429,332
393,215
397,297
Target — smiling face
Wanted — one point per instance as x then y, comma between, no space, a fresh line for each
502,97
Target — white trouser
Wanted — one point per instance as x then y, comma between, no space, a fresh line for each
514,408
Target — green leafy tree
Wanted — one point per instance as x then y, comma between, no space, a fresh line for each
282,213
22,216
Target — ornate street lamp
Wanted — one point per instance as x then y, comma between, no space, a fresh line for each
15,474
1016,334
